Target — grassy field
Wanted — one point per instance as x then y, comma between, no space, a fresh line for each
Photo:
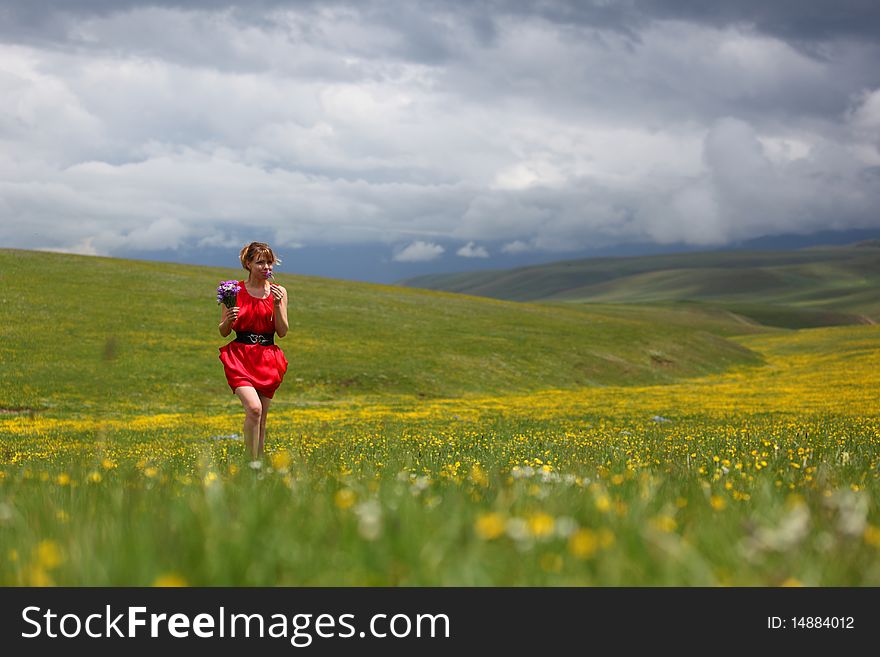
424,438
116,334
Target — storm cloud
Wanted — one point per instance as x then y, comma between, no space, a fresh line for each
548,126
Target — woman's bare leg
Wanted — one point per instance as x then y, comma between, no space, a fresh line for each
253,418
266,402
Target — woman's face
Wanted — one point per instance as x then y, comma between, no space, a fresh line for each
261,266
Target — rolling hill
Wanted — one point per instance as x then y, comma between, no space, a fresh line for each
95,335
818,286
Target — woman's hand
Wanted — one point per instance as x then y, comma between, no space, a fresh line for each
227,320
277,292
230,315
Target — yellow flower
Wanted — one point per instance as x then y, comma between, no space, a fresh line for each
280,460
38,577
170,580
872,536
489,526
63,479
791,582
583,543
540,524
151,471
49,555
717,503
478,475
664,523
95,477
344,498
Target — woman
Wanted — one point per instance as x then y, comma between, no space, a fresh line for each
254,364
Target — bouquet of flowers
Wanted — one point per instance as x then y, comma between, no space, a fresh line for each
227,292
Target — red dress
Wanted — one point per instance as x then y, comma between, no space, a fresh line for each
255,365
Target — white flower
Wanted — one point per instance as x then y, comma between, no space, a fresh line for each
369,515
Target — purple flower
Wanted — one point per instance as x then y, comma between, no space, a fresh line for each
227,293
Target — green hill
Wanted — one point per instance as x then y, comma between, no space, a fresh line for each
792,289
99,335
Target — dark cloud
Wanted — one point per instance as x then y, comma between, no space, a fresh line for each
792,20
815,17
796,21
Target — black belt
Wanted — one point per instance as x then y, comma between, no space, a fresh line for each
247,337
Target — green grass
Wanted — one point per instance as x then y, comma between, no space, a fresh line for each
97,334
676,315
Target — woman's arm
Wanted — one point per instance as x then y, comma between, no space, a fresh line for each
280,300
227,319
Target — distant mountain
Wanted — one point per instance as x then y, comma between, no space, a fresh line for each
814,286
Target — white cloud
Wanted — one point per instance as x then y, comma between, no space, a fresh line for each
218,240
419,251
164,233
864,120
470,250
517,246
866,113
743,191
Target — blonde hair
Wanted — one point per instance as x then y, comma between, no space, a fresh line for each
254,250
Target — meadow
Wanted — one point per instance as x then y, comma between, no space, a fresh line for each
425,438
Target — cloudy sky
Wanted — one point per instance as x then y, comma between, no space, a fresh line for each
375,138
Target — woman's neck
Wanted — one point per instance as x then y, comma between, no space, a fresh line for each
255,282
